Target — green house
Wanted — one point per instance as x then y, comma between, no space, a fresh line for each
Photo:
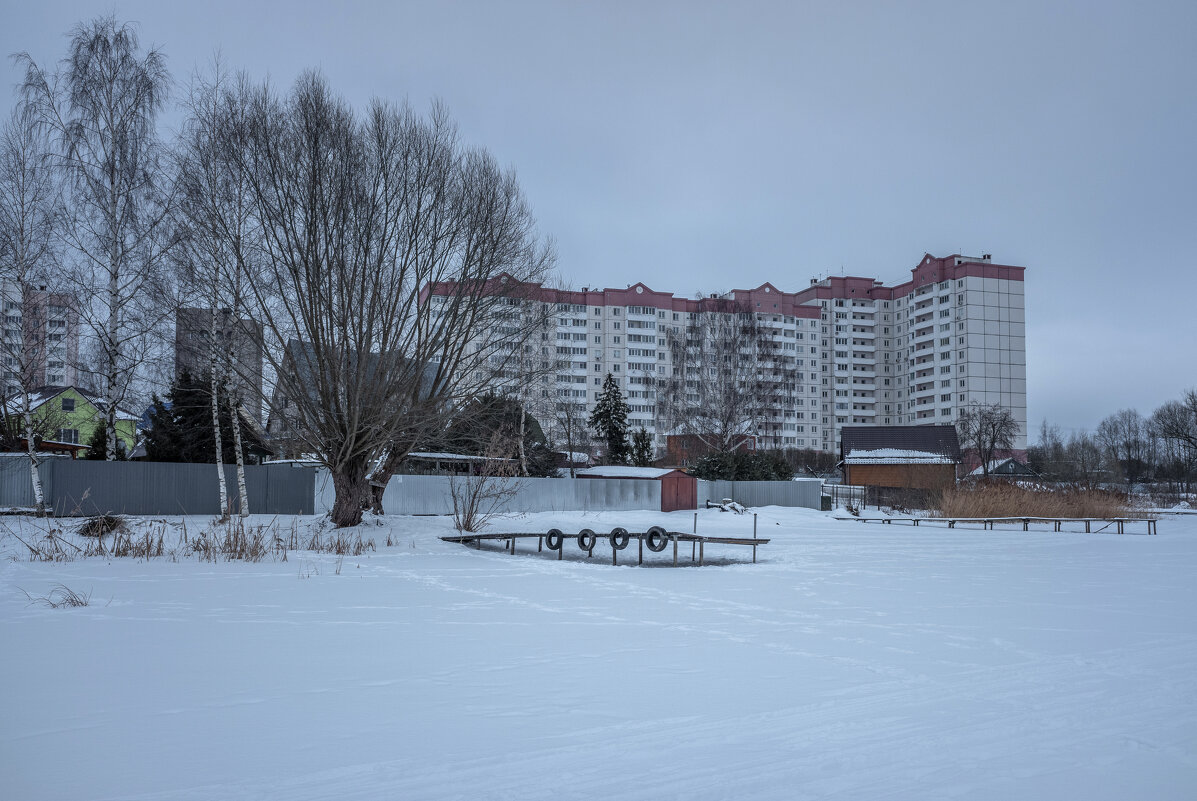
70,415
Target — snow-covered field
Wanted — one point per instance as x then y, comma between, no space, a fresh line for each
853,662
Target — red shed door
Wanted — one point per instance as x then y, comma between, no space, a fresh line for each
678,491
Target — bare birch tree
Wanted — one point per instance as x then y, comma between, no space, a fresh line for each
218,245
101,107
730,378
30,218
387,247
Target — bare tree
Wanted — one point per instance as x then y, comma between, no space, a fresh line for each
1048,457
1084,458
30,219
986,429
1175,423
569,428
386,248
730,377
101,107
218,244
1177,420
480,495
1124,436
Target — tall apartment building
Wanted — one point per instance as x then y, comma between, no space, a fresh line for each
242,337
40,337
917,352
858,351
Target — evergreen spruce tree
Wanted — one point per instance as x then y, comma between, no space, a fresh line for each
642,448
610,421
97,446
162,442
181,428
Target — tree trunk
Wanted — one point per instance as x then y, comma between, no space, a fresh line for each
238,451
523,429
112,332
351,487
215,388
38,499
379,481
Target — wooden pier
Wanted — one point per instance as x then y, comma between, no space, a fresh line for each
656,539
988,522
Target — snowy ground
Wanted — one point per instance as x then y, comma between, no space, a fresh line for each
853,662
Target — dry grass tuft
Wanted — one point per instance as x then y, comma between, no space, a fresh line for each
101,525
139,546
59,597
1014,500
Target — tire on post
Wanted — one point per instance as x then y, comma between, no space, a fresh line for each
587,539
553,539
656,539
619,538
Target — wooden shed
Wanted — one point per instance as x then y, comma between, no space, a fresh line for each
679,490
912,457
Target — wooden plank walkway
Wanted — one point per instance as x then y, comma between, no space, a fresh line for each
988,522
587,541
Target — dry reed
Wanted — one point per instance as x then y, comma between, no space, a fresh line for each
1013,500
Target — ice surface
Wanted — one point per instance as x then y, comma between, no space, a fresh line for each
852,662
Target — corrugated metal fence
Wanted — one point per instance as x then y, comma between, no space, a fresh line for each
16,481
73,488
430,495
155,488
803,492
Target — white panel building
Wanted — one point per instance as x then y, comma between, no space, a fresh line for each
862,352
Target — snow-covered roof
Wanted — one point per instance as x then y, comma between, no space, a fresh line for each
896,456
1017,468
623,471
46,394
455,457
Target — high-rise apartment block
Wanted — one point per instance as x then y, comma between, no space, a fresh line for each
39,341
240,339
857,352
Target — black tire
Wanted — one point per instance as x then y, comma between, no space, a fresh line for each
619,538
657,539
553,539
587,539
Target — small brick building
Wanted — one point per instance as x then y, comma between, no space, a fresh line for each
911,457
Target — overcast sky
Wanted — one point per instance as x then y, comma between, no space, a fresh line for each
700,147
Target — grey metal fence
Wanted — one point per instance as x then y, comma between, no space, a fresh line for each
73,488
430,495
86,488
16,480
802,492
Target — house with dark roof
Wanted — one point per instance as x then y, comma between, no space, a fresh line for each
1007,469
910,457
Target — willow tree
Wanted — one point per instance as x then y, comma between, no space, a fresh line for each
389,252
